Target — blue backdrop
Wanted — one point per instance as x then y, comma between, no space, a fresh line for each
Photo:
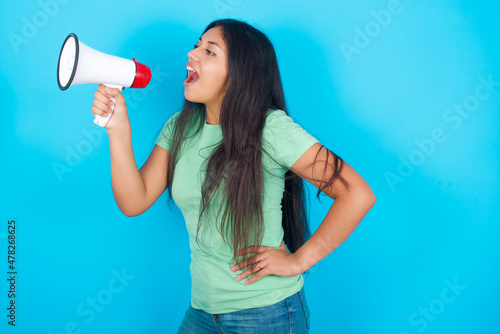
405,91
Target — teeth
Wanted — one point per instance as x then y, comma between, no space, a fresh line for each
189,68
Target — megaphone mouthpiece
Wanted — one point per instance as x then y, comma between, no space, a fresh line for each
142,75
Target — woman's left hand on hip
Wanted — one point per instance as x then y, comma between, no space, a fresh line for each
266,261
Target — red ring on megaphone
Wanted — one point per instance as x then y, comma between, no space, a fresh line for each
142,75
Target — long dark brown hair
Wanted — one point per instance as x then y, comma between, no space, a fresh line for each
234,170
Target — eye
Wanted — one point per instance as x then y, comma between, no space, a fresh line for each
210,53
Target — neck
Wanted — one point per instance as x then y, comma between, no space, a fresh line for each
212,115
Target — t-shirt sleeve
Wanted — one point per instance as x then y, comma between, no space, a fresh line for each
285,140
164,140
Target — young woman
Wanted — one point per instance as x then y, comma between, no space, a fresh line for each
234,162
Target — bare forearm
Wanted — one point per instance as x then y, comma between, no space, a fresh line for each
128,186
344,216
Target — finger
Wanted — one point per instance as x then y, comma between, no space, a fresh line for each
246,262
96,111
100,105
251,249
259,265
252,269
102,96
257,276
104,91
112,93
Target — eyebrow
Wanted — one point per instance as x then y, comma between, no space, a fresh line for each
213,43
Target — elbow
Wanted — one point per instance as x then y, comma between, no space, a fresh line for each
366,195
131,212
364,198
130,208
369,198
372,200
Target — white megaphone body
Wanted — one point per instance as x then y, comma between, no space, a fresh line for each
80,64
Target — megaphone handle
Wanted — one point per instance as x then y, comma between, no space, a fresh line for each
102,121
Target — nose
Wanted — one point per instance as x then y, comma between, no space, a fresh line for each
193,55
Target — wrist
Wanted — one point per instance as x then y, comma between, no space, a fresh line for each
300,265
119,130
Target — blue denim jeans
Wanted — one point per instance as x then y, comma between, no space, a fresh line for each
291,315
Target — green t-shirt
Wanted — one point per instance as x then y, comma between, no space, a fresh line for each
214,286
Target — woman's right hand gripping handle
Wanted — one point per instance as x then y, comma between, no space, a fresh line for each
103,105
129,184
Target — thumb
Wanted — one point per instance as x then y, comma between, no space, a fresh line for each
283,246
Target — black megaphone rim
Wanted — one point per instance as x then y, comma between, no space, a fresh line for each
75,65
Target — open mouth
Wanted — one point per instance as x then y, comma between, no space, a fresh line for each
193,76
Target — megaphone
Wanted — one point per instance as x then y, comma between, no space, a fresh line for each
80,64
